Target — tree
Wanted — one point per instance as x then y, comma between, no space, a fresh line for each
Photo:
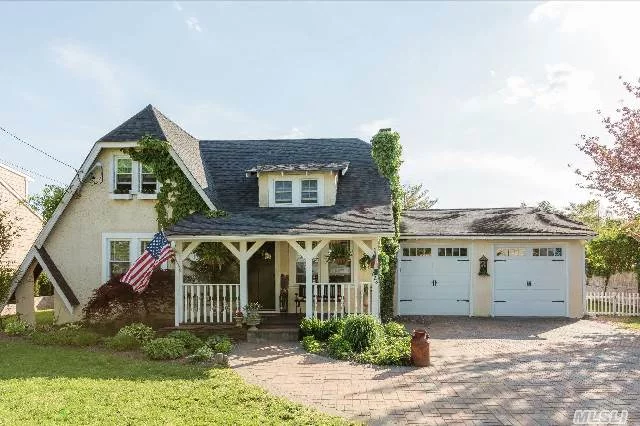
416,197
587,213
9,230
46,201
617,164
611,252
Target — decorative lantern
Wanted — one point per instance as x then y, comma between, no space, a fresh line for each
484,266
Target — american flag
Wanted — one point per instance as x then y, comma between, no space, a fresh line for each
157,252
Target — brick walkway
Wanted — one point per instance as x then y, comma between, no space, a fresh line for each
485,371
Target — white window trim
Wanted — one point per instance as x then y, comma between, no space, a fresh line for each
134,239
136,182
296,190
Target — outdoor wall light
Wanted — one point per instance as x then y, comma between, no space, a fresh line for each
484,266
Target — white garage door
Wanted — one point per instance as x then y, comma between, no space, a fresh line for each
433,280
530,281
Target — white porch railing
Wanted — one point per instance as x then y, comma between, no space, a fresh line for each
331,300
622,304
210,303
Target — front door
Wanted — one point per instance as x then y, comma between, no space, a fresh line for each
262,276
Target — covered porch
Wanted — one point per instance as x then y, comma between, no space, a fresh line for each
284,274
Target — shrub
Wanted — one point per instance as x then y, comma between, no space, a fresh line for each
395,329
338,347
17,327
72,335
310,327
388,351
202,354
139,331
164,348
361,331
122,342
311,345
220,344
190,340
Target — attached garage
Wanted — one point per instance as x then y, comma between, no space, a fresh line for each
530,281
491,262
434,279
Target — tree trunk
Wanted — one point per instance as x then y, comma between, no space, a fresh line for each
606,282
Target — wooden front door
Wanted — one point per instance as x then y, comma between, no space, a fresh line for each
262,276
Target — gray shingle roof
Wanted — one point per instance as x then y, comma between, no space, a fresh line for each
305,167
152,122
362,200
516,221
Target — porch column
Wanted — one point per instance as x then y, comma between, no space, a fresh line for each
179,277
244,281
375,286
243,254
181,254
308,253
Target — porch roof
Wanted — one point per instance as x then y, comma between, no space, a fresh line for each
289,221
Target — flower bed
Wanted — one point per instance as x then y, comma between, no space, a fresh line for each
359,338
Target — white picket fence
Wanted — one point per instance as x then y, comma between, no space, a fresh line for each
621,304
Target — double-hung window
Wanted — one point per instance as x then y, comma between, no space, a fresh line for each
123,175
119,257
309,191
296,191
132,177
283,192
122,249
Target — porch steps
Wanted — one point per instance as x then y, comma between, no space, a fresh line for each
268,335
276,327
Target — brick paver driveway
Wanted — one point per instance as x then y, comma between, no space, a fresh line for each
526,371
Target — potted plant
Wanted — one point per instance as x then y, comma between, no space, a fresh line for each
252,315
339,254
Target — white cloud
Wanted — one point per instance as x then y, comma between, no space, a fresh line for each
565,88
492,73
370,128
611,26
90,65
193,24
177,6
294,133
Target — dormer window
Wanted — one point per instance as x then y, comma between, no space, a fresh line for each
283,191
309,194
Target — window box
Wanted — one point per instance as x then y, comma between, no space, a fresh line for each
144,196
115,196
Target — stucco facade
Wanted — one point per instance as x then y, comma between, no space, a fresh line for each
481,287
76,241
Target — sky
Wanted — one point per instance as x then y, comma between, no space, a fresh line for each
490,99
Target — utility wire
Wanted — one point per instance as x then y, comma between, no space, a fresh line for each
10,164
37,149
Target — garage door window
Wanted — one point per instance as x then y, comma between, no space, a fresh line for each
555,252
452,251
511,251
416,251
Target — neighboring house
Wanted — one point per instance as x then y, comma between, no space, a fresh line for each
288,202
13,193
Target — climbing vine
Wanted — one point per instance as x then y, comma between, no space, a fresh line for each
386,151
177,197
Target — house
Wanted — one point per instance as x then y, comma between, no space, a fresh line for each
14,186
289,204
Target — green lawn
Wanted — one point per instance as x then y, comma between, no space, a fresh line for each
44,385
42,317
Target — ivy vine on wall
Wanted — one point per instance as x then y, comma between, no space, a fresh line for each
386,151
177,198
